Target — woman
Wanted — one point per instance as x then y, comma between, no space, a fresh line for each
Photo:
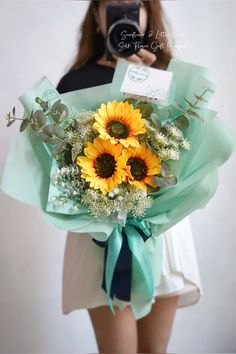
82,274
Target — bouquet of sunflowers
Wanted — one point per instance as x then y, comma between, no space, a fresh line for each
122,169
112,159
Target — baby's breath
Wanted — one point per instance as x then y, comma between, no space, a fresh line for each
166,141
168,154
127,198
69,182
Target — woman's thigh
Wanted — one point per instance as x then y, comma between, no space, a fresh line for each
114,333
154,330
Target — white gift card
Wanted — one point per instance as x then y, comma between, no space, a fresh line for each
149,83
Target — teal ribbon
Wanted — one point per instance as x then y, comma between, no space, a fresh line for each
142,276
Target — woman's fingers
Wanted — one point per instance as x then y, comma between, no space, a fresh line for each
143,56
133,57
148,58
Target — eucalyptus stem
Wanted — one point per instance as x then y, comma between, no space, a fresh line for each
14,118
191,108
59,139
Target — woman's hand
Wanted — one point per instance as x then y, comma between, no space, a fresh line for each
143,56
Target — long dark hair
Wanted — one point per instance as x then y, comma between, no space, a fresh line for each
91,43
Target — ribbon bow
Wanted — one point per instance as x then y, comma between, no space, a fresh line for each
127,267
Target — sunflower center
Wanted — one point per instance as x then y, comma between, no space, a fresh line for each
117,129
105,165
138,168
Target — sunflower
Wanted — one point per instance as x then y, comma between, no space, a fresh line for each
141,165
102,165
119,122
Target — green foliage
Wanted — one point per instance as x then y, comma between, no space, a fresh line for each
182,119
52,134
131,100
165,169
24,124
46,123
59,112
43,104
182,122
145,109
165,181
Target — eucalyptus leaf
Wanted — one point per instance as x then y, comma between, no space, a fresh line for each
52,134
31,114
24,124
59,131
162,172
165,181
156,120
39,118
200,98
170,111
43,104
44,137
59,148
189,102
10,122
56,105
210,89
57,111
182,122
195,115
178,106
35,126
131,100
49,129
153,191
62,117
166,167
145,109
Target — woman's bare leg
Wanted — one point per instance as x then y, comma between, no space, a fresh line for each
114,334
154,330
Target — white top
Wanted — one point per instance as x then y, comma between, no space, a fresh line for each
83,270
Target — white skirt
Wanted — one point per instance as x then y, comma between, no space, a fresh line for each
83,270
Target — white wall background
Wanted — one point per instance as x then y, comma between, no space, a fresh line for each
38,38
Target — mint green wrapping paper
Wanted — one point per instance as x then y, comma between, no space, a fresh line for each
29,166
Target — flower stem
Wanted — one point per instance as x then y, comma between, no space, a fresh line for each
191,108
